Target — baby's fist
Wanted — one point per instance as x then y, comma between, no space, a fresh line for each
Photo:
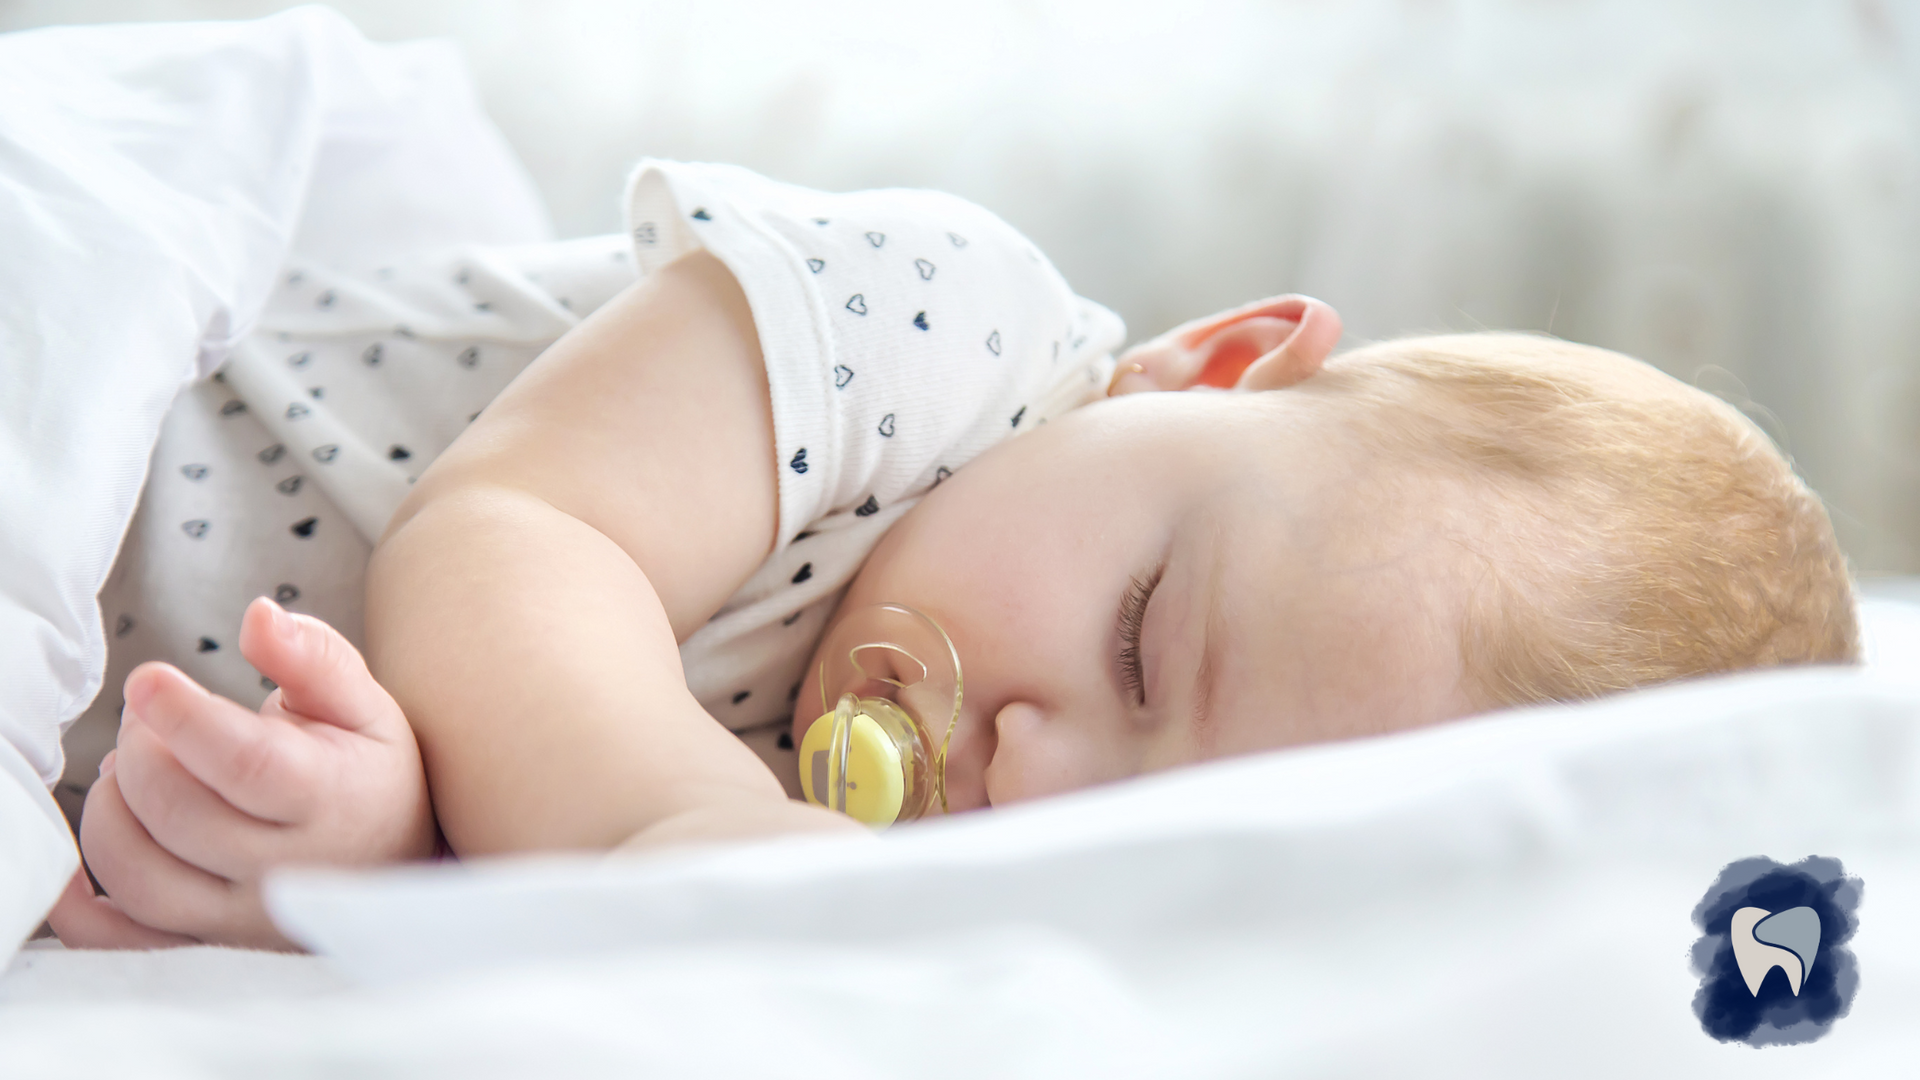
203,797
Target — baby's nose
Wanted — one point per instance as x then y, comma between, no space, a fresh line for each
1036,753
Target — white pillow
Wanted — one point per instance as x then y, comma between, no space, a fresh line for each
1890,631
153,179
1512,895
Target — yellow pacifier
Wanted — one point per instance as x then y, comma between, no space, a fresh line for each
890,688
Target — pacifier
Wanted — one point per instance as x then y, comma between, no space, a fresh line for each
890,691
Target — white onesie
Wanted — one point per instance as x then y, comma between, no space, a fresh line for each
903,331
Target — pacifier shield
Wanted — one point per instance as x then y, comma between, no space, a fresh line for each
876,784
890,692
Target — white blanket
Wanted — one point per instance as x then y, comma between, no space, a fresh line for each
1510,896
153,179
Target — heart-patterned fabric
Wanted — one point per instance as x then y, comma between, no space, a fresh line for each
901,340
274,477
904,333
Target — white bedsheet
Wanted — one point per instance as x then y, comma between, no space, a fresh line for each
1509,896
46,974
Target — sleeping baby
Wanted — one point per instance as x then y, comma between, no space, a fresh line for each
810,406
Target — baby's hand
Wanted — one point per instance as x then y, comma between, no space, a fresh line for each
201,797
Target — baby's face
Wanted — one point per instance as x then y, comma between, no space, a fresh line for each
1281,592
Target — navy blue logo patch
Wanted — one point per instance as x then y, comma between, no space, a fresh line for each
1772,957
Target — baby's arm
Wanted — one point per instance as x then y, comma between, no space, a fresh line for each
525,606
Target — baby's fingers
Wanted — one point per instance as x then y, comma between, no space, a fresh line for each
86,921
186,817
320,674
263,765
159,891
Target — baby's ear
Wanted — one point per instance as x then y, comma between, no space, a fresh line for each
1313,332
1265,345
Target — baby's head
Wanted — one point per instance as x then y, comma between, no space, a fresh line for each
1413,532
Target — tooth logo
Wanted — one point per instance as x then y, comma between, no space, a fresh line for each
1761,916
1764,940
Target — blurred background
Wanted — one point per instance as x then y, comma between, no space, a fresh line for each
1727,188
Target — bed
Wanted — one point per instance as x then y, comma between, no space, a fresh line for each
1503,896
1510,895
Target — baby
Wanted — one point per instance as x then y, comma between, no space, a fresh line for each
1300,549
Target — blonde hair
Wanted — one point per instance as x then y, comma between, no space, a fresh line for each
1637,530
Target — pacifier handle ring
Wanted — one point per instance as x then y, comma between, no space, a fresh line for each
959,694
